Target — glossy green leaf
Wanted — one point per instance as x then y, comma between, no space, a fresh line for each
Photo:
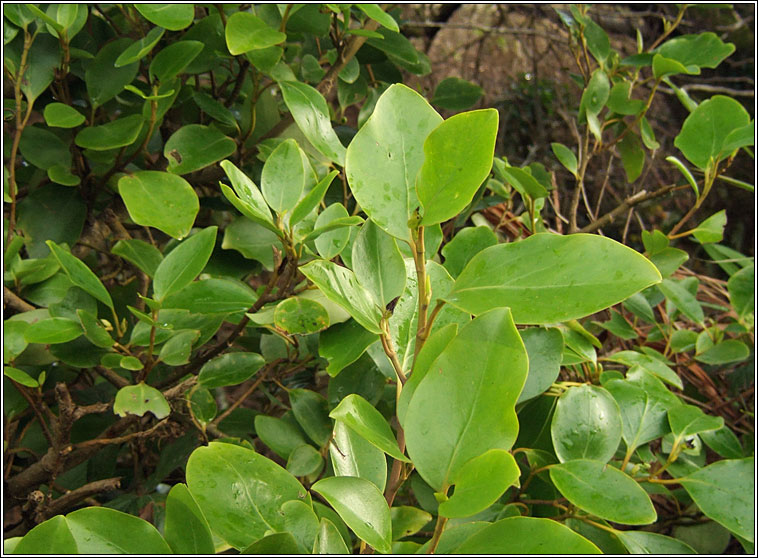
619,100
283,177
526,535
643,542
186,529
565,156
139,48
385,156
333,224
465,245
682,299
61,174
712,229
586,424
173,59
213,296
60,115
343,344
466,405
20,377
202,405
311,411
360,504
254,205
568,277
240,491
724,492
310,201
53,330
309,109
407,520
664,67
49,537
544,348
178,348
643,416
161,200
724,442
94,330
704,50
354,456
42,60
456,94
118,133
43,149
524,183
686,420
80,275
282,436
139,399
194,146
304,461
301,522
274,543
377,263
145,256
214,109
651,364
101,530
377,14
173,17
741,290
480,482
730,350
301,316
245,31
131,363
632,156
596,93
252,241
340,285
669,260
330,243
454,168
604,491
184,263
363,418
686,173
704,133
229,369
329,540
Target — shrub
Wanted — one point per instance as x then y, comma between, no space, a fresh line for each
229,318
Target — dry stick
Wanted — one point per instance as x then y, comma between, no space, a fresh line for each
14,301
73,497
585,159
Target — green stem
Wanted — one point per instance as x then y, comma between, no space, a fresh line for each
438,529
419,259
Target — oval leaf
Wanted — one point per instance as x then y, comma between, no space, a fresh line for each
185,528
101,530
139,399
184,263
194,146
229,369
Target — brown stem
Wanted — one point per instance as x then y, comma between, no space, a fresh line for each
584,157
438,528
71,498
14,301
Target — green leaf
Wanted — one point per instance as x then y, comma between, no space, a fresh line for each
240,491
112,135
173,17
330,243
213,296
565,156
202,405
80,275
686,173
275,543
311,200
173,59
340,285
653,365
686,420
596,93
385,156
139,48
741,292
49,537
139,399
704,50
360,504
214,109
245,32
337,223
598,42
104,80
53,330
377,14
194,146
309,109
467,404
184,263
725,352
407,520
604,491
363,418
343,344
178,348
229,369
643,416
465,245
682,299
712,229
619,100
301,522
545,349
161,200
186,529
378,263
568,277
704,133
282,436
456,94
724,492
145,256
304,461
43,59
101,530
93,330
643,542
43,149
480,482
586,425
353,456
311,411
254,206
301,316
454,167
20,377
60,115
61,174
668,260
251,240
131,363
664,67
724,442
524,183
632,156
283,177
525,535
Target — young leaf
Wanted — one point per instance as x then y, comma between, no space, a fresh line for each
20,377
377,263
454,169
653,365
354,456
363,418
93,330
565,156
330,243
311,200
643,416
186,529
139,48
253,204
62,116
604,491
686,420
377,14
385,156
360,504
466,404
245,32
139,399
712,229
80,275
240,491
283,177
161,200
184,263
568,277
